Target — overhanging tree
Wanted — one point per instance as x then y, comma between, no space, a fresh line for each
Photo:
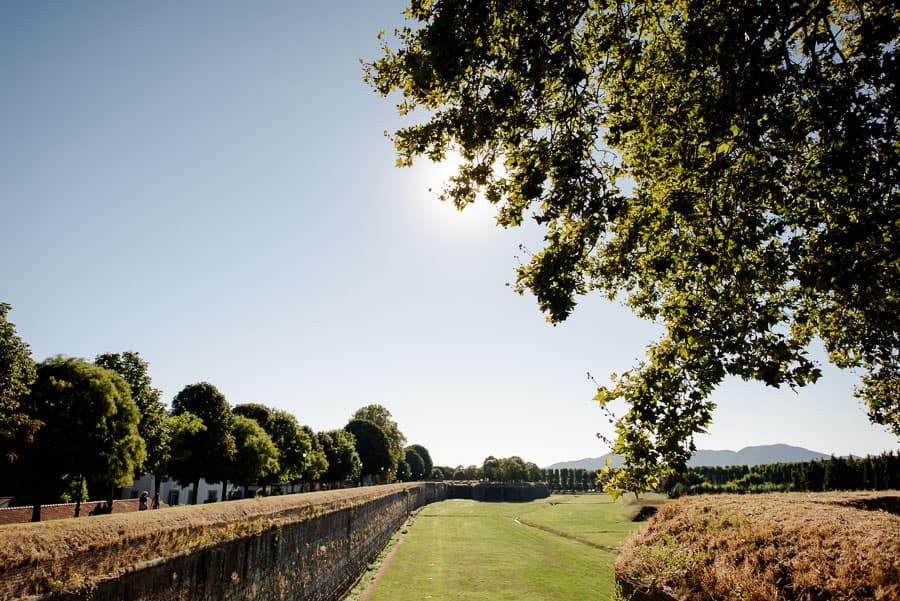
727,168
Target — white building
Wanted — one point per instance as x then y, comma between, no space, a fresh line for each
172,493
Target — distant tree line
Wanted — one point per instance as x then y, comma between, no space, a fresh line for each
514,470
880,472
507,469
71,429
571,479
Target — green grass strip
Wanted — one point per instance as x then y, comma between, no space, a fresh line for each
469,550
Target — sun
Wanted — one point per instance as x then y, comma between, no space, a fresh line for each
430,178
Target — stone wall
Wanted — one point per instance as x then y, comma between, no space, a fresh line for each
316,559
310,547
496,491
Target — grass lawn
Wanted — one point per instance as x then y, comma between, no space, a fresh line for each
551,549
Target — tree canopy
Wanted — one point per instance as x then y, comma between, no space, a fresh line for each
89,432
255,457
374,449
293,442
17,372
316,461
214,445
426,458
415,464
339,447
152,427
381,417
727,168
294,445
184,434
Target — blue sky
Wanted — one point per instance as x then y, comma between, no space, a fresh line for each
207,183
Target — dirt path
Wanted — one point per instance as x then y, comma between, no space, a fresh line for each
383,567
562,534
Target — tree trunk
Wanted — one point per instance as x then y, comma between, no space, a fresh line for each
156,481
36,512
78,499
225,490
196,490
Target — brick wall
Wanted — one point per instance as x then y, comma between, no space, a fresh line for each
61,511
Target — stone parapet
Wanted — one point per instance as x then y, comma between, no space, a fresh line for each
298,547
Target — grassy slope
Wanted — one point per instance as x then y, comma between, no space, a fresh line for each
469,550
792,546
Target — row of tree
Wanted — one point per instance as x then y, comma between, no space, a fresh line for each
881,472
492,469
571,479
69,427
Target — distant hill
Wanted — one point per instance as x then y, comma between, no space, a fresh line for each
760,455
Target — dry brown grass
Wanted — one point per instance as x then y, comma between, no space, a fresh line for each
63,554
790,546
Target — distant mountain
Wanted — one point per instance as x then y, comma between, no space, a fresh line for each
760,455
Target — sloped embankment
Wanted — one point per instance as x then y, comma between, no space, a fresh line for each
790,546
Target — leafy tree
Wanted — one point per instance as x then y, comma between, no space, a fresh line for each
255,411
339,447
490,469
256,456
728,168
374,449
214,446
184,432
293,443
404,471
152,427
426,457
473,472
415,465
89,432
381,417
317,461
513,469
17,373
